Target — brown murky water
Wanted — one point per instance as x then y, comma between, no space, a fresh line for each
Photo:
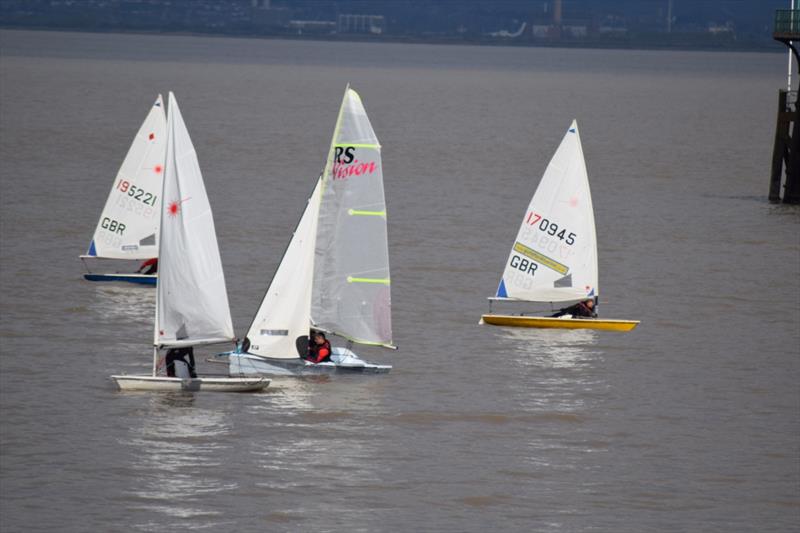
691,422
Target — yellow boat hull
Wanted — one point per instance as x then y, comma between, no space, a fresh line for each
517,321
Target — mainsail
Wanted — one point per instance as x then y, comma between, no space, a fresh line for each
280,328
192,303
554,257
351,288
128,225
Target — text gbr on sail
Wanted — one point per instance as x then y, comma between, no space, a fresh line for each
112,225
523,265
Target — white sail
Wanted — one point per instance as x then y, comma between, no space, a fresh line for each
280,328
554,257
192,303
128,225
351,294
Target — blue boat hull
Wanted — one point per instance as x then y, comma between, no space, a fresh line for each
141,279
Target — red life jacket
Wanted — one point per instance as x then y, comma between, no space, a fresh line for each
318,353
149,267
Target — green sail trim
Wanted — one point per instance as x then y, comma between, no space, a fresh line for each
382,281
359,212
358,145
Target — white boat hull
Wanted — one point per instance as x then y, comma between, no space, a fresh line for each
169,384
342,361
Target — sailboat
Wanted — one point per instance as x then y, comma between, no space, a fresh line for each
334,275
125,235
554,257
191,300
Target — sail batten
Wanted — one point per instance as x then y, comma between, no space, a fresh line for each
554,256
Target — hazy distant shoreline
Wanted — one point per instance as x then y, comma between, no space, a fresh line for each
634,44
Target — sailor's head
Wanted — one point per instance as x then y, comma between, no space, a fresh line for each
589,303
318,336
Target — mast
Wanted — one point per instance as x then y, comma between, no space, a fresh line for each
163,207
332,149
789,69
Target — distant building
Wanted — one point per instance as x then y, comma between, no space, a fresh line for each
574,31
556,32
612,25
312,27
612,30
372,24
720,29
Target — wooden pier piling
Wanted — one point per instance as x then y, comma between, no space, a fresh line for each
786,152
786,149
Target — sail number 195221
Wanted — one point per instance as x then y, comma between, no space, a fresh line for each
550,228
137,193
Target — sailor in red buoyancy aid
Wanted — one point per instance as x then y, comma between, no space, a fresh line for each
149,267
319,348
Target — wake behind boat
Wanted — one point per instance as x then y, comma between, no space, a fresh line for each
124,247
334,275
191,300
554,257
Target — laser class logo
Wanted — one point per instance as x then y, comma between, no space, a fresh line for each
174,207
346,165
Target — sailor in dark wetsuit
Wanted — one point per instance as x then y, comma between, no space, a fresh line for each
319,348
584,309
178,354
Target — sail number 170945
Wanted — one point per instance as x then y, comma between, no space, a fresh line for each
550,228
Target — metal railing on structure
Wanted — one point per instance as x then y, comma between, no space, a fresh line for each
787,22
791,99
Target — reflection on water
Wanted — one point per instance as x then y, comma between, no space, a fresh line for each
549,348
289,394
177,448
313,444
114,301
560,367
